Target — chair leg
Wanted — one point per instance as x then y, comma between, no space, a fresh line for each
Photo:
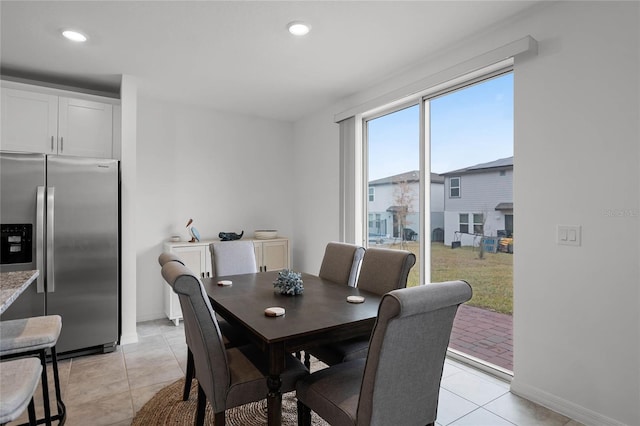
31,409
219,419
62,410
307,360
45,387
188,376
304,415
202,404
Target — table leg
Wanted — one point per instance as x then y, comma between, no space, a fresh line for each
274,383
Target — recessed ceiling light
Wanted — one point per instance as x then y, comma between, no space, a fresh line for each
298,28
74,36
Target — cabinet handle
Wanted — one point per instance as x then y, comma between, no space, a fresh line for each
51,143
61,144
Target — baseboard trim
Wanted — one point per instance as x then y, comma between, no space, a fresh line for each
567,408
127,339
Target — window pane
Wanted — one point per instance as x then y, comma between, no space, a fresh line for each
471,137
393,148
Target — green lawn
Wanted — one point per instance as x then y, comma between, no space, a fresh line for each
491,278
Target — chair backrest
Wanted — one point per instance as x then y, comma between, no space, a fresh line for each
385,269
168,257
401,379
233,257
341,263
206,345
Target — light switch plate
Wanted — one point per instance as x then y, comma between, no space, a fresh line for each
569,235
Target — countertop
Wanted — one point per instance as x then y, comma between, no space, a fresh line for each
12,284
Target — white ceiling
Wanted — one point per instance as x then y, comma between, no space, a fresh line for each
237,56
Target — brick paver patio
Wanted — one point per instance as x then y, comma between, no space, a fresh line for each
485,335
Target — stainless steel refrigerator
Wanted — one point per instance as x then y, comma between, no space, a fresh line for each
60,215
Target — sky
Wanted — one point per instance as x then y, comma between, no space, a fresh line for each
469,126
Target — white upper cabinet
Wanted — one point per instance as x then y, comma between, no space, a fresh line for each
85,128
50,124
29,122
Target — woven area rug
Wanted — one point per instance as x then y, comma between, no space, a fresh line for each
168,408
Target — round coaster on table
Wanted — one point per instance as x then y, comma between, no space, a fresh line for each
355,299
274,311
225,282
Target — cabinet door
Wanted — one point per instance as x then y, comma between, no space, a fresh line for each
195,258
275,255
29,121
85,128
257,247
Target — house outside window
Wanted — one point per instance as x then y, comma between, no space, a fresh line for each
464,223
478,223
372,193
454,187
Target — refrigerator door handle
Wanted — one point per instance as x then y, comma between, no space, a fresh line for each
51,284
40,194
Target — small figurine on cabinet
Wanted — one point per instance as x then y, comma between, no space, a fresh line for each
230,236
195,235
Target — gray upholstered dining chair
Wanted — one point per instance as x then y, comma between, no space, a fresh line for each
189,374
227,377
237,338
399,381
341,263
233,257
382,270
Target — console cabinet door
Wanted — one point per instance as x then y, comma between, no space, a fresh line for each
272,255
29,122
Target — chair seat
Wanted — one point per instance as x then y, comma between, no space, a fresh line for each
18,382
346,350
248,368
29,334
333,392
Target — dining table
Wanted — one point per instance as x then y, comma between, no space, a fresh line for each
13,284
321,314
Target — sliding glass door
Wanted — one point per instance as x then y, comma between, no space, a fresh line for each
457,164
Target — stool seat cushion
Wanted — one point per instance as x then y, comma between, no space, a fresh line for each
29,334
18,382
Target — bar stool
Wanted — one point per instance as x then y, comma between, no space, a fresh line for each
18,383
33,336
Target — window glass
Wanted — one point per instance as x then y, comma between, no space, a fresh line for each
393,164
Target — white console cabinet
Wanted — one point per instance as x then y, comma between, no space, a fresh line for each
46,121
271,255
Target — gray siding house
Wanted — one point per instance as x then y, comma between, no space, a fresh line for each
478,201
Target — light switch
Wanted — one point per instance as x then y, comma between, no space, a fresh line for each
569,235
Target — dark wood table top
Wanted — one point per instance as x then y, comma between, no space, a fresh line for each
321,313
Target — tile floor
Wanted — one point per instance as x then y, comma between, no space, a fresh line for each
108,389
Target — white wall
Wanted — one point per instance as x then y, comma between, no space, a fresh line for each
316,190
226,171
576,321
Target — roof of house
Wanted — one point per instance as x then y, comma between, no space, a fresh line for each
502,163
412,176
